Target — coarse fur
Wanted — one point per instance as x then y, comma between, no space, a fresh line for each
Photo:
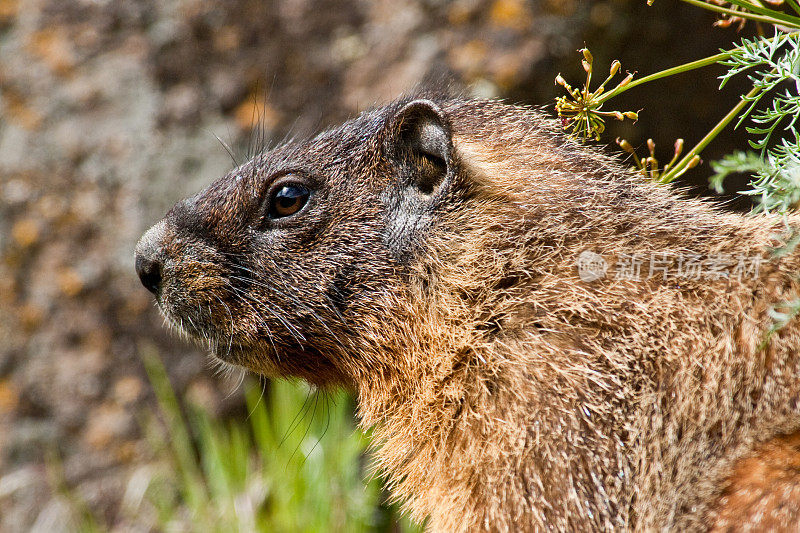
433,272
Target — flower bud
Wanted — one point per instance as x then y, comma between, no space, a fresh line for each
614,68
694,162
633,115
678,147
625,145
626,81
651,145
587,55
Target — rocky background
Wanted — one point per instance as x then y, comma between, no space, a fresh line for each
109,112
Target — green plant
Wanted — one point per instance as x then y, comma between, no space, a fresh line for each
296,464
80,517
770,63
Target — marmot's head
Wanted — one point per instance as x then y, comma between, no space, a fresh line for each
277,264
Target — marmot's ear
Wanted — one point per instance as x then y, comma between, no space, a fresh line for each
419,140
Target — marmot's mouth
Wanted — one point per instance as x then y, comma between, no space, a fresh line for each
234,338
225,347
250,357
197,326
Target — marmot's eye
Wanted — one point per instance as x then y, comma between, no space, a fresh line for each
287,201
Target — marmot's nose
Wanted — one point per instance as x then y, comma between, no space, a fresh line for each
149,272
149,258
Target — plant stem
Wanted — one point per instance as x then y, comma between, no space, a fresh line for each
794,5
680,168
668,72
783,20
761,10
686,67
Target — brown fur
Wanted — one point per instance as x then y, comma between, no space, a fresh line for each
762,492
506,393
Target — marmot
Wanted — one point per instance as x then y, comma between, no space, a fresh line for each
486,286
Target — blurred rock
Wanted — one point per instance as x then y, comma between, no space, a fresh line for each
108,112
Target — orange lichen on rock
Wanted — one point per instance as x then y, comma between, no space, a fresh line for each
70,282
25,232
255,111
8,10
511,14
9,397
18,111
52,46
